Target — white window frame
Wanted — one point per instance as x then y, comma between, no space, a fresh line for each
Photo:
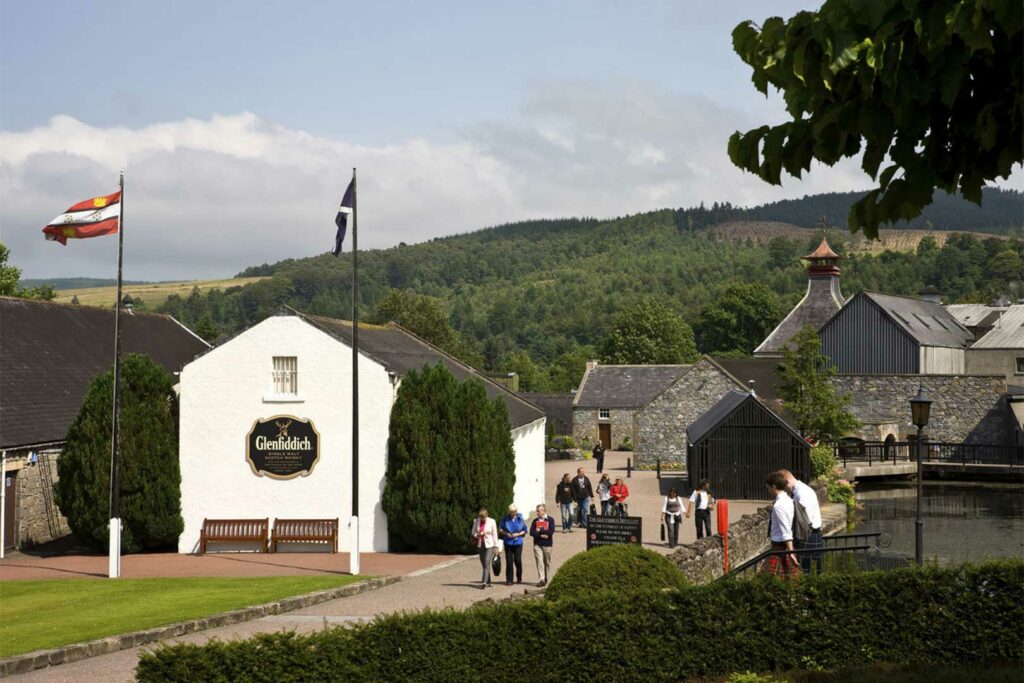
1018,368
284,380
604,414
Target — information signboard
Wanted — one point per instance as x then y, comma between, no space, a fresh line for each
603,530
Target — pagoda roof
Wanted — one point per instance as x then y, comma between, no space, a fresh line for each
823,251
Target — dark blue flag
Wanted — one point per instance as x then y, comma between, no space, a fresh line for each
341,220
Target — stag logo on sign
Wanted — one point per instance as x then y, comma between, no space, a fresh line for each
282,447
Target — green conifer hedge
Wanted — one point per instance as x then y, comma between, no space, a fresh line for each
150,475
928,617
449,454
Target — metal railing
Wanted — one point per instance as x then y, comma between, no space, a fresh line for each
839,553
877,452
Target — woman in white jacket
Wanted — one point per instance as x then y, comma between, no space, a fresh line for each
485,536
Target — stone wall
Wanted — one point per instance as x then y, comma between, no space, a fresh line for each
965,408
661,426
701,560
585,421
39,520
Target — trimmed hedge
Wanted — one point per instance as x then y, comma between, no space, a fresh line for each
626,568
924,616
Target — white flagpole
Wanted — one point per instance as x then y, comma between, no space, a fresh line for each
114,560
353,562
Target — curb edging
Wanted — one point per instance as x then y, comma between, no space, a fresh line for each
40,659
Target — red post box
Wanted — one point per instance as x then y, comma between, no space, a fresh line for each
722,509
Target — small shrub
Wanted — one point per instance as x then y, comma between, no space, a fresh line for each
823,462
564,442
842,491
615,567
626,445
749,677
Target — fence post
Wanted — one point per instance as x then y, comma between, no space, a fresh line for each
658,465
629,467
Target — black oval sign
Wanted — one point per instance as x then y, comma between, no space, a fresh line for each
282,447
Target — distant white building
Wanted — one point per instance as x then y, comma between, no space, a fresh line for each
266,422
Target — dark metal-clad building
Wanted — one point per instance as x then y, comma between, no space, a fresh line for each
884,334
738,442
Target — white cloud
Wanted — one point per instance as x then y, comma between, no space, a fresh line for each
206,198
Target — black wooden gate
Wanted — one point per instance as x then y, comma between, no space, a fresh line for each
738,442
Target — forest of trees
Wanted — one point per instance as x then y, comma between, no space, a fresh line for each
541,297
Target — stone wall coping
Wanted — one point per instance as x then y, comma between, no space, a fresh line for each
916,376
30,661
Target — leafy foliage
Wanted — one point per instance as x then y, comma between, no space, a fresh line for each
929,617
935,88
449,453
649,333
150,477
625,567
425,317
804,385
742,317
550,291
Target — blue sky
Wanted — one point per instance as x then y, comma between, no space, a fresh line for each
238,121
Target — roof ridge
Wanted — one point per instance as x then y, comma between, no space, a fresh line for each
79,307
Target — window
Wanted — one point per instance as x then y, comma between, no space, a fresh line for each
606,414
286,375
1020,366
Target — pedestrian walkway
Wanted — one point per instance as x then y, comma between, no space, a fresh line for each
453,582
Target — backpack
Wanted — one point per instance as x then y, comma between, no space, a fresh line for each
801,523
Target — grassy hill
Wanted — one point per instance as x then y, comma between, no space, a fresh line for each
152,294
537,297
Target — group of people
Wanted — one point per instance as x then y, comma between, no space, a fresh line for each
789,492
578,491
674,508
509,534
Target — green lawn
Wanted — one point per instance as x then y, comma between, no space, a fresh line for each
42,614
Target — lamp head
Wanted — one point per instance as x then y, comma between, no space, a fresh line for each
920,408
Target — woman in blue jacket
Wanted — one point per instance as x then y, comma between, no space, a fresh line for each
513,530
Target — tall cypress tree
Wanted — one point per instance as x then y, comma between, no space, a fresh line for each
150,473
449,453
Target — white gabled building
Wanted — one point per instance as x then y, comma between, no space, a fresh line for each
297,369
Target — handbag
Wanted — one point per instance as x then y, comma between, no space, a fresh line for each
663,531
496,564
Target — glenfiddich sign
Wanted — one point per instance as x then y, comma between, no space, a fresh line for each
282,447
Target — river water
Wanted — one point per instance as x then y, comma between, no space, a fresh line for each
962,521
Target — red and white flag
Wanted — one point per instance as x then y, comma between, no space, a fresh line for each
91,218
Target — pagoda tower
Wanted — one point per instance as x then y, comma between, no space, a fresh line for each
822,300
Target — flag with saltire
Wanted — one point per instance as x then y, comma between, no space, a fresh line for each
341,220
91,218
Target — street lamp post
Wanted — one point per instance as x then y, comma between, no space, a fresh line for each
920,407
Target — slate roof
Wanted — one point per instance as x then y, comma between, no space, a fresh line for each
557,408
716,414
975,316
760,370
50,353
401,351
926,321
821,301
625,386
1006,333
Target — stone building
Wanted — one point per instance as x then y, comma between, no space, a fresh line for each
291,375
49,355
821,301
661,425
609,397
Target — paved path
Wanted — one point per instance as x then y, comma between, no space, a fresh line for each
451,583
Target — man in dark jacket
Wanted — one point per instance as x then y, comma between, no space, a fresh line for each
582,491
543,532
599,455
564,498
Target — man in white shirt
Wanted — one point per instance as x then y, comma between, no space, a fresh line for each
781,529
805,496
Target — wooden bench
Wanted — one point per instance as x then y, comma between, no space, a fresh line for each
234,531
305,531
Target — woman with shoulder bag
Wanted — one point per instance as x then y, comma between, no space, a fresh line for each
485,538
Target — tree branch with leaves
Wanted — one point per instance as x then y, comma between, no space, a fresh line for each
932,88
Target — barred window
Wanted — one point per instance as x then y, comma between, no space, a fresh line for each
286,375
